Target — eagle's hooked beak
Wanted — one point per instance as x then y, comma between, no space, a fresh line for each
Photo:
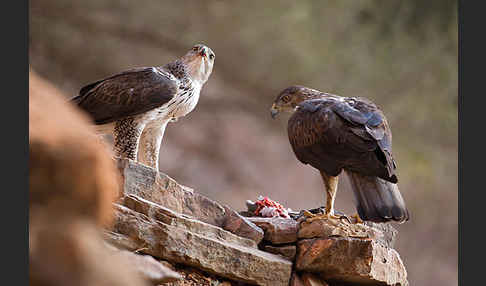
274,111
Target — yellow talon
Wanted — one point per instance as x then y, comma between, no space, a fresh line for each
308,214
358,219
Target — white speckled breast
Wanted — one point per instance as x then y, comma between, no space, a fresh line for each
183,103
186,102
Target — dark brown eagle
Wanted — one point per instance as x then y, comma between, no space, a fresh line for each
333,133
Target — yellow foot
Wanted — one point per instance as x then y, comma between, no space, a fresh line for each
308,214
358,219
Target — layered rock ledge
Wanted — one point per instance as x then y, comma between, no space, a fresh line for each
192,236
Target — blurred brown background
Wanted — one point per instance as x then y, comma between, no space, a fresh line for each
400,54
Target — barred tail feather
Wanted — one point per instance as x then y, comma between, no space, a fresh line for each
377,200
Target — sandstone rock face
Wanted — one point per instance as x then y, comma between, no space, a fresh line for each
194,277
184,222
147,183
384,233
287,251
351,260
295,280
306,279
312,280
70,252
204,246
120,241
72,184
149,268
71,173
277,230
335,252
241,226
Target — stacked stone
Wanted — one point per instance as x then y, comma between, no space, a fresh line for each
158,217
333,252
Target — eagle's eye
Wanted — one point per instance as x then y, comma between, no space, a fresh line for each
211,56
286,98
196,48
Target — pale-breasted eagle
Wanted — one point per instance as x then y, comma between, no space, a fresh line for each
136,105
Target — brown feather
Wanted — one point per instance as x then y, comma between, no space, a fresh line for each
377,200
126,94
331,134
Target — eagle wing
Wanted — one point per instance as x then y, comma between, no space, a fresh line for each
334,133
127,93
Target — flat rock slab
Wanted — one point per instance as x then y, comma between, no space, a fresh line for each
195,277
277,230
287,251
147,183
351,260
120,241
179,244
323,228
383,232
149,268
185,222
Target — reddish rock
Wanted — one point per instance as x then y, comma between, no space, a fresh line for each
383,232
149,268
351,260
277,230
72,184
71,172
195,277
192,246
170,217
287,251
67,252
323,228
120,241
241,226
306,279
147,183
295,280
312,280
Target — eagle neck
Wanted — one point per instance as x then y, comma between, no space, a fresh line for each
179,69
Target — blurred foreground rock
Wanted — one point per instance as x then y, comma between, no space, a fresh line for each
71,252
151,269
73,183
70,171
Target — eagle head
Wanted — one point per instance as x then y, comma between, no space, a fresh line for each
289,98
199,61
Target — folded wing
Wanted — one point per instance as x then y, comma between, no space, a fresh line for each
335,133
126,94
